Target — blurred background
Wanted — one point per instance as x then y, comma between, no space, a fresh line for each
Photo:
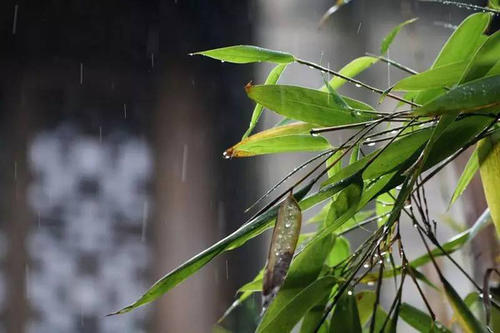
111,141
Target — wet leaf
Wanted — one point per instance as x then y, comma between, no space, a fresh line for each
288,138
340,251
304,104
420,320
346,317
236,239
489,167
387,41
285,316
439,77
467,175
469,323
284,240
484,59
461,46
350,70
272,78
479,95
243,54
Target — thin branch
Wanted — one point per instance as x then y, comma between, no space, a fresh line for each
356,82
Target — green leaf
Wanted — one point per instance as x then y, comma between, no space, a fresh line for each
350,70
365,300
288,314
478,95
461,46
244,54
439,77
484,59
304,104
236,239
287,138
469,323
469,171
489,168
340,251
387,41
272,78
345,317
467,38
495,4
420,320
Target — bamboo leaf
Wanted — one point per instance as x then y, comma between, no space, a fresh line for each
272,78
439,77
467,175
244,54
346,317
489,167
387,41
484,59
461,46
236,239
479,95
340,250
288,138
469,323
350,70
420,320
288,314
304,104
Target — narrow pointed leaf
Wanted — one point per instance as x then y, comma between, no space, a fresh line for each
469,323
272,78
350,70
461,46
467,175
391,35
439,77
484,59
489,167
420,320
288,138
475,96
304,104
289,314
346,317
236,239
243,54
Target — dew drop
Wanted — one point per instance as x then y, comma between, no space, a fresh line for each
358,85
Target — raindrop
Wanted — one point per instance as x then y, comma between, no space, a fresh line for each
14,22
144,220
15,170
359,28
371,144
152,60
366,265
227,270
125,110
349,292
225,155
315,134
81,73
100,134
358,85
222,61
184,162
371,283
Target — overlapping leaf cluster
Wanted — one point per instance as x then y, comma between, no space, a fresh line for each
444,110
